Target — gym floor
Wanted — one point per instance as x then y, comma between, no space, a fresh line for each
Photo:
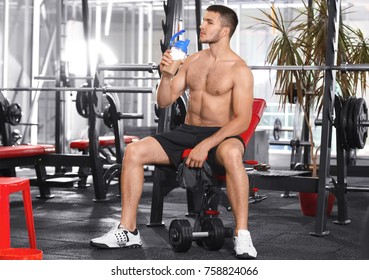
66,223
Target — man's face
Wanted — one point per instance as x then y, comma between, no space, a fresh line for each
210,28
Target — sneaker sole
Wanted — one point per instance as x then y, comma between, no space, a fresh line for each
104,246
245,256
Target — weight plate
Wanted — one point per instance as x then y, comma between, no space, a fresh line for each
180,235
82,104
215,228
179,110
356,117
107,117
277,128
364,129
360,114
343,123
338,109
350,123
13,114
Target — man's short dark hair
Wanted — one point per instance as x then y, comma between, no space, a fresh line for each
229,17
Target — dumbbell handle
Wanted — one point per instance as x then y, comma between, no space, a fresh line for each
200,234
319,122
131,116
228,232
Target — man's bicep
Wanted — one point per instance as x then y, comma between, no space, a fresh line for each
243,92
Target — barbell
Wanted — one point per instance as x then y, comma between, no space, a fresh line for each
351,123
343,67
151,67
85,89
277,128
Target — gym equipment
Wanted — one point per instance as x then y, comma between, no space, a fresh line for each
13,114
353,123
343,67
84,89
150,67
277,128
210,233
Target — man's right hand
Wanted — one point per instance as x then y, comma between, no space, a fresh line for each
166,59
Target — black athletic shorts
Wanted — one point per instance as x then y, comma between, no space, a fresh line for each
183,137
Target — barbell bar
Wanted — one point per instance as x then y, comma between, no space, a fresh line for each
343,67
52,78
84,89
150,67
277,128
319,122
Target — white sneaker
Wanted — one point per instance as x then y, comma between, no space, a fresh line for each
243,245
118,238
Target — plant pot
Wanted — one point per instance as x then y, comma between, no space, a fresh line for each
308,203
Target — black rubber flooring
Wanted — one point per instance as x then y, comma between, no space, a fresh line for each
66,223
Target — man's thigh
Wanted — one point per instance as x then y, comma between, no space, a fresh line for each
150,151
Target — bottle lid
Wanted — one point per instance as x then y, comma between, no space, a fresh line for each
180,44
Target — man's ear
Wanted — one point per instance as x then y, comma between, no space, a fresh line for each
226,31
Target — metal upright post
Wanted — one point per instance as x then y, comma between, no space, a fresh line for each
328,109
198,22
340,187
5,54
58,99
96,165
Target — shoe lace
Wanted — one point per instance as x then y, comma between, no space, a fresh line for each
121,236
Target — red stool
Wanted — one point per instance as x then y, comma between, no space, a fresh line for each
10,185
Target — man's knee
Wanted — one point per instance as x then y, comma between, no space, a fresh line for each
230,156
133,152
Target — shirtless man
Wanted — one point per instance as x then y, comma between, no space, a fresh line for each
220,106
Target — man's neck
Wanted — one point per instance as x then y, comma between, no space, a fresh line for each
219,51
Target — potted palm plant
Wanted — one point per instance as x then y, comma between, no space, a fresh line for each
302,41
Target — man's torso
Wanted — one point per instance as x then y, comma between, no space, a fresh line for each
210,84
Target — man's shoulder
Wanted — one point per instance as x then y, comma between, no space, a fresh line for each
240,65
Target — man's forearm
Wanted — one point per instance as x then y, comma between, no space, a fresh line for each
164,92
234,127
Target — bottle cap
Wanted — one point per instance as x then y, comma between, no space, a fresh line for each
182,45
179,44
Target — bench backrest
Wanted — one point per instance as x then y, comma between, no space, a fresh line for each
257,112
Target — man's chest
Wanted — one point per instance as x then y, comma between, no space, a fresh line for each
214,79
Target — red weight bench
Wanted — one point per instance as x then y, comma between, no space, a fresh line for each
7,152
164,181
104,142
106,145
22,155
